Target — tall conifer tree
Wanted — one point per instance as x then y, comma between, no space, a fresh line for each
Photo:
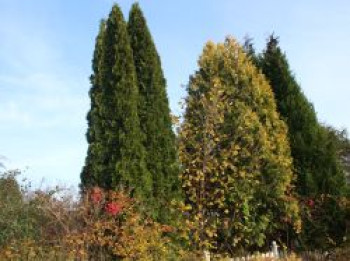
235,154
93,135
320,174
154,111
315,159
119,156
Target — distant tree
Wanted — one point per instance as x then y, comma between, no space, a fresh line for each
314,160
118,155
235,154
154,113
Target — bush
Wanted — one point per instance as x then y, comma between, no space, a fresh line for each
325,222
15,219
102,224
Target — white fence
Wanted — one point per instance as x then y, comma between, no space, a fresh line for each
273,254
269,255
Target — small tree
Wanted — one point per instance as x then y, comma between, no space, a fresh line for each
234,153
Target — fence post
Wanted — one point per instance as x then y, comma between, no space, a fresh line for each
206,255
275,249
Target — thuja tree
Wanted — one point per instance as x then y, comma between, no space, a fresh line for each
315,152
235,154
118,155
315,160
93,135
154,113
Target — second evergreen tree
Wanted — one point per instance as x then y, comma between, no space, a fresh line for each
315,159
154,113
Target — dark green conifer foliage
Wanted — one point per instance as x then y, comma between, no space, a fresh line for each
314,157
315,152
119,155
94,123
154,112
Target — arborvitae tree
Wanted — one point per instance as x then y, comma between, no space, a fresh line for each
315,151
235,154
154,112
118,158
93,135
315,160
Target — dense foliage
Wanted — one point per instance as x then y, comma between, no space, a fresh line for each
154,114
315,158
89,175
235,154
11,224
116,153
319,153
103,225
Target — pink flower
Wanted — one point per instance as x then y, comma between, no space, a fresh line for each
113,208
311,203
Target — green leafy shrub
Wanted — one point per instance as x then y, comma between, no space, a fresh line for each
103,224
325,222
16,213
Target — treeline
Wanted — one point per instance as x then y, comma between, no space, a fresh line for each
254,162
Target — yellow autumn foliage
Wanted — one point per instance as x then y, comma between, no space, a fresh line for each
235,153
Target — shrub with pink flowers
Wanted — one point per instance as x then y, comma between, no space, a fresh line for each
107,225
113,208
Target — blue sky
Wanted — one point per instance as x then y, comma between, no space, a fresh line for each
45,60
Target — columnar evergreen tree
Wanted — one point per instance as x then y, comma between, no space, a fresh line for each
154,111
320,173
315,160
117,153
93,135
235,154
